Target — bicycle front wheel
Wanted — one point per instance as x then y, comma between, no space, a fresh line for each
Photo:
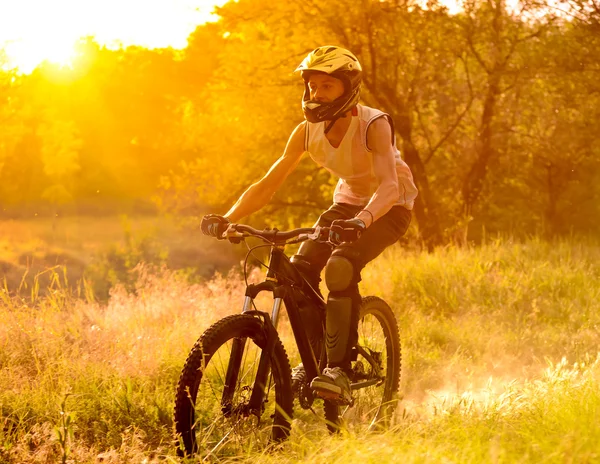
376,372
213,412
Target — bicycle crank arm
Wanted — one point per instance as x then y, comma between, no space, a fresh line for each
367,383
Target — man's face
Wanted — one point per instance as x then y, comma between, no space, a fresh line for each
325,88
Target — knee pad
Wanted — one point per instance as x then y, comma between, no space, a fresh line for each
339,273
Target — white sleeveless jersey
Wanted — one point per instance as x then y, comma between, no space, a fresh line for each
352,161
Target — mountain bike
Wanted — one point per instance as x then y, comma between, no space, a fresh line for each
235,391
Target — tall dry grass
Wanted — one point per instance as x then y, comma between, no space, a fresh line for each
499,347
115,366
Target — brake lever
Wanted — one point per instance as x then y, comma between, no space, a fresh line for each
319,236
233,235
315,235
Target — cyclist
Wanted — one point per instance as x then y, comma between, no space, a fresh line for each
374,196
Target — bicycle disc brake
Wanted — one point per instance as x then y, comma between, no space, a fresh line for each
375,368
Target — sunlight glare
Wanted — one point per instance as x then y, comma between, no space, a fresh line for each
33,31
27,54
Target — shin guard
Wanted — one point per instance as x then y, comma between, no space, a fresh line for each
342,326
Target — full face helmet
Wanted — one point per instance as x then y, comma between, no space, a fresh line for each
341,64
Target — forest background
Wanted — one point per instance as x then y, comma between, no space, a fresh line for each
496,108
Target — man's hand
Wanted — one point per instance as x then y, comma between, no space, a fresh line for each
214,225
346,230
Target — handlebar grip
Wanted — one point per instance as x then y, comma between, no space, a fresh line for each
339,235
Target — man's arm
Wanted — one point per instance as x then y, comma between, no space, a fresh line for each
261,192
379,136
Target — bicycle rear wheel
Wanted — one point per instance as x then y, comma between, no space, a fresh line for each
376,372
213,418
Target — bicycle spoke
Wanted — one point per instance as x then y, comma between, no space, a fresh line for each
233,423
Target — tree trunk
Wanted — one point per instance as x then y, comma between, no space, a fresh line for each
426,211
474,181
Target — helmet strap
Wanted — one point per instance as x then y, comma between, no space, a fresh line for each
334,120
328,127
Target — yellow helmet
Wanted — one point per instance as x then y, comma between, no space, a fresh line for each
330,59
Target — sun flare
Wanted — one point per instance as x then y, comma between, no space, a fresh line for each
27,54
33,31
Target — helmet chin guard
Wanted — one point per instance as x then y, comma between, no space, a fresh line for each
316,111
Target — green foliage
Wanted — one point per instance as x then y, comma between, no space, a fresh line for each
495,109
121,263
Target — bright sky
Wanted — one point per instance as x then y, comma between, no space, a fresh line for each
32,31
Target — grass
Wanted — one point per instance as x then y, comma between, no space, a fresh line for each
104,250
499,344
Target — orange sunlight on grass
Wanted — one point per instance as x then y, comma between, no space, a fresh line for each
33,31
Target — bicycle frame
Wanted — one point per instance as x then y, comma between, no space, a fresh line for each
280,271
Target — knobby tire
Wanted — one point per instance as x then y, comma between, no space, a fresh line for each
196,437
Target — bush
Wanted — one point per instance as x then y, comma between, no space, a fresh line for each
118,264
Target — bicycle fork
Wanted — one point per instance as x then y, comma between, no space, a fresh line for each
257,397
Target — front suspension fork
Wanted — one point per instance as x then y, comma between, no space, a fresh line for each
257,397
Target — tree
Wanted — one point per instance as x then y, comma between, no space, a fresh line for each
496,39
11,127
60,157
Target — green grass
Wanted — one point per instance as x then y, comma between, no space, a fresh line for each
500,363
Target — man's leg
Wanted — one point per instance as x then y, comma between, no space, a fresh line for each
310,261
342,275
312,256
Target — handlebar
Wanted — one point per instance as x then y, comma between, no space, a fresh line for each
239,231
